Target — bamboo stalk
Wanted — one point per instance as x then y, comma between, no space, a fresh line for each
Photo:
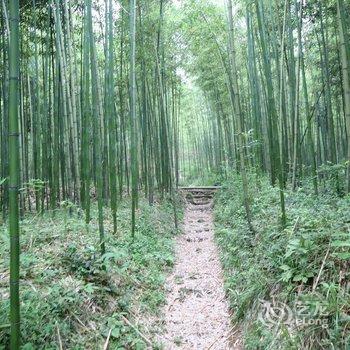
14,59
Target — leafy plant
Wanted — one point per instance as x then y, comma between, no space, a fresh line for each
304,263
68,286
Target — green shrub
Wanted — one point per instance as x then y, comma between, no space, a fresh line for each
305,265
69,291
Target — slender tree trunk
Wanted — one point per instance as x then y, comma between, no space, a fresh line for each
271,109
14,60
345,60
237,110
296,141
133,117
96,108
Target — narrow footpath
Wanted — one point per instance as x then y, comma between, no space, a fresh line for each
197,313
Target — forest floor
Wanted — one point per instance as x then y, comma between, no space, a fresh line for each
288,287
197,312
74,298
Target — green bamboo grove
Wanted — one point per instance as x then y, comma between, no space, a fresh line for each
276,100
91,115
98,105
102,100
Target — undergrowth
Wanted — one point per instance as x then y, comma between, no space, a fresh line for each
193,178
288,288
73,296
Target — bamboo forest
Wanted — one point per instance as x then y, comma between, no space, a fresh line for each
175,174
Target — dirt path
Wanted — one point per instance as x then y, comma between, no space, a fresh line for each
196,313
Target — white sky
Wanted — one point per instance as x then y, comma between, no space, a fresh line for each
220,3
